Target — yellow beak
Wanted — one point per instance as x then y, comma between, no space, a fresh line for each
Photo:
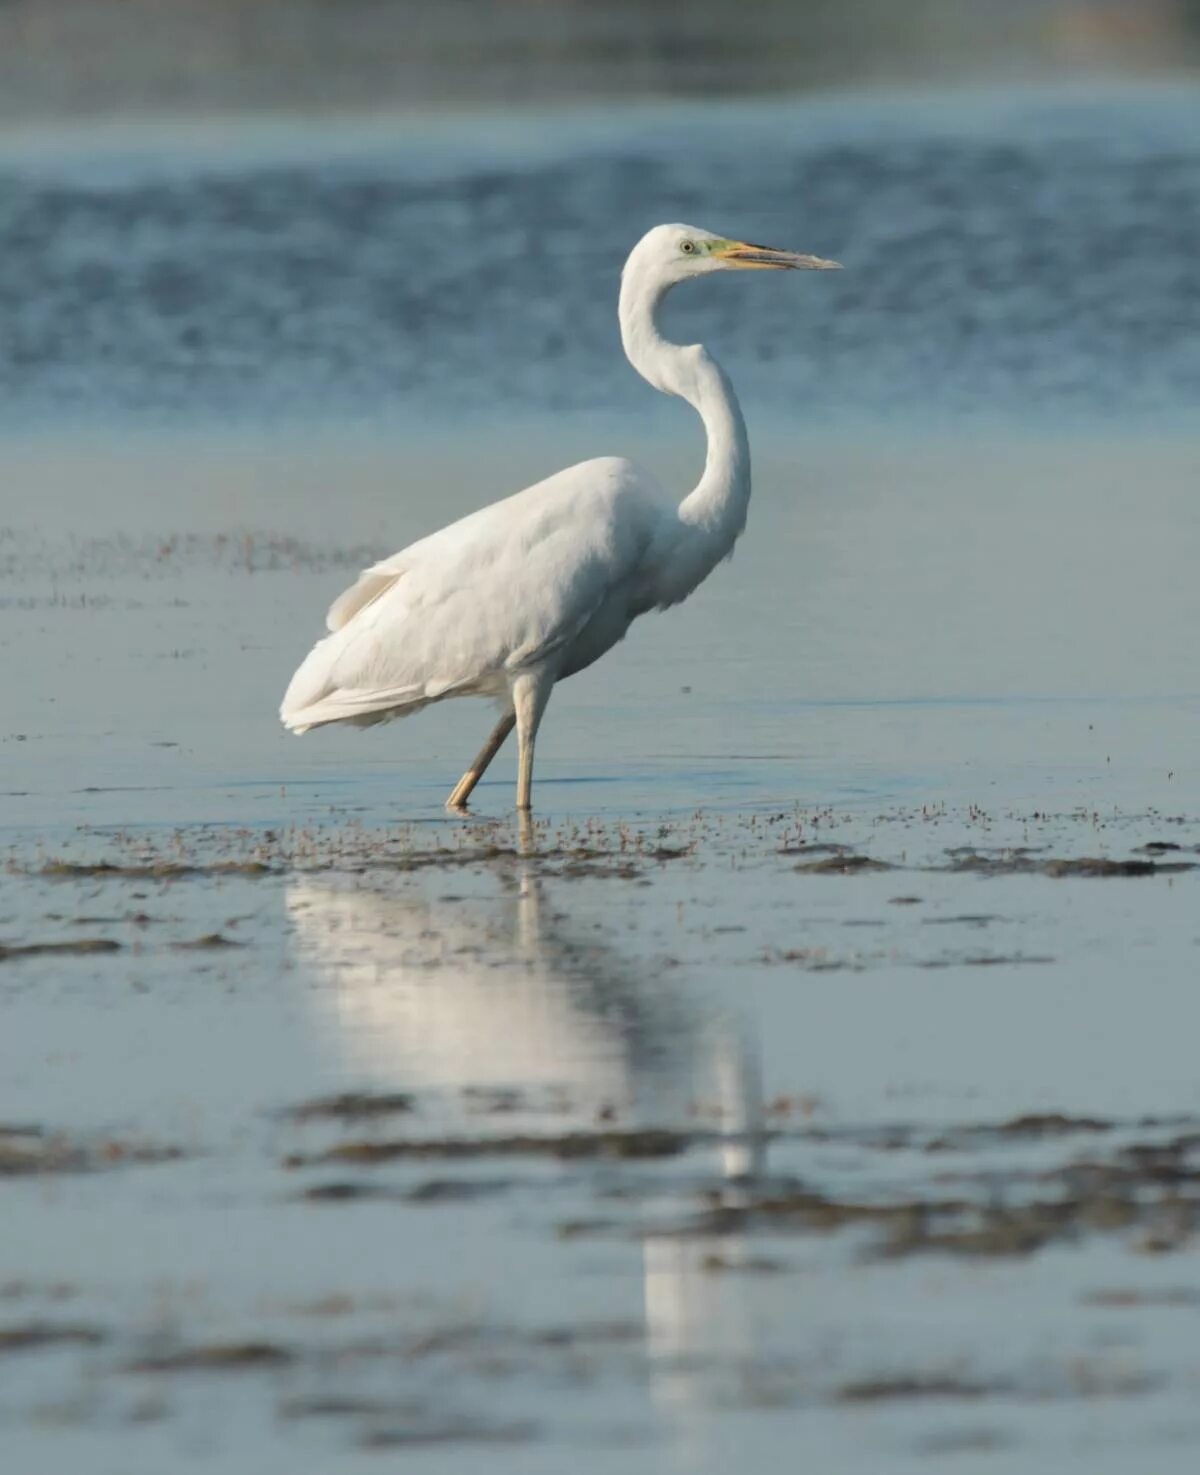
745,256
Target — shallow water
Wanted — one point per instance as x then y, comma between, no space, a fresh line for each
997,621
683,1134
675,1146
896,669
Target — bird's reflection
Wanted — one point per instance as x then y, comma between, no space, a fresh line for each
469,994
502,995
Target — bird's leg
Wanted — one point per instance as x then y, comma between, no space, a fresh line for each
526,842
530,694
462,790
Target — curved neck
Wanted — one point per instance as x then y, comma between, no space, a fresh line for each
716,510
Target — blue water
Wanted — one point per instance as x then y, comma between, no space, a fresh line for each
1022,254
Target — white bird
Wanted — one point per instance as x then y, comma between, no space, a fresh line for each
519,595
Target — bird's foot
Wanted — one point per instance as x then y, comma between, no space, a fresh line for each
461,791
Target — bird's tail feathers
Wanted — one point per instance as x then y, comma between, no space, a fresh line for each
363,708
314,698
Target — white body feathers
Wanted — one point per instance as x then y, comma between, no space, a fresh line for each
546,580
543,582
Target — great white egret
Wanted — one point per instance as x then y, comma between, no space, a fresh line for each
514,597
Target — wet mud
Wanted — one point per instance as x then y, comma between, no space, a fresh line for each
34,1150
567,1046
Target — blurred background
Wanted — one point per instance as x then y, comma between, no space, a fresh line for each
92,58
301,207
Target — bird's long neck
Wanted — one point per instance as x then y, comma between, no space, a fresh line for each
714,514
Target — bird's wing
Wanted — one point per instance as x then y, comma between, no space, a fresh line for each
509,587
369,585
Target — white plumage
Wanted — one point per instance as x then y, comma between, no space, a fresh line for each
519,595
455,614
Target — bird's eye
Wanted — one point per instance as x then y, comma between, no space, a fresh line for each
687,247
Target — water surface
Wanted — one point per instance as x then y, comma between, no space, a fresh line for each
820,1077
1012,253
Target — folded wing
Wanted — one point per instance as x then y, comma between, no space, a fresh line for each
508,588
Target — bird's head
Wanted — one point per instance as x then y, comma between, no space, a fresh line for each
673,253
